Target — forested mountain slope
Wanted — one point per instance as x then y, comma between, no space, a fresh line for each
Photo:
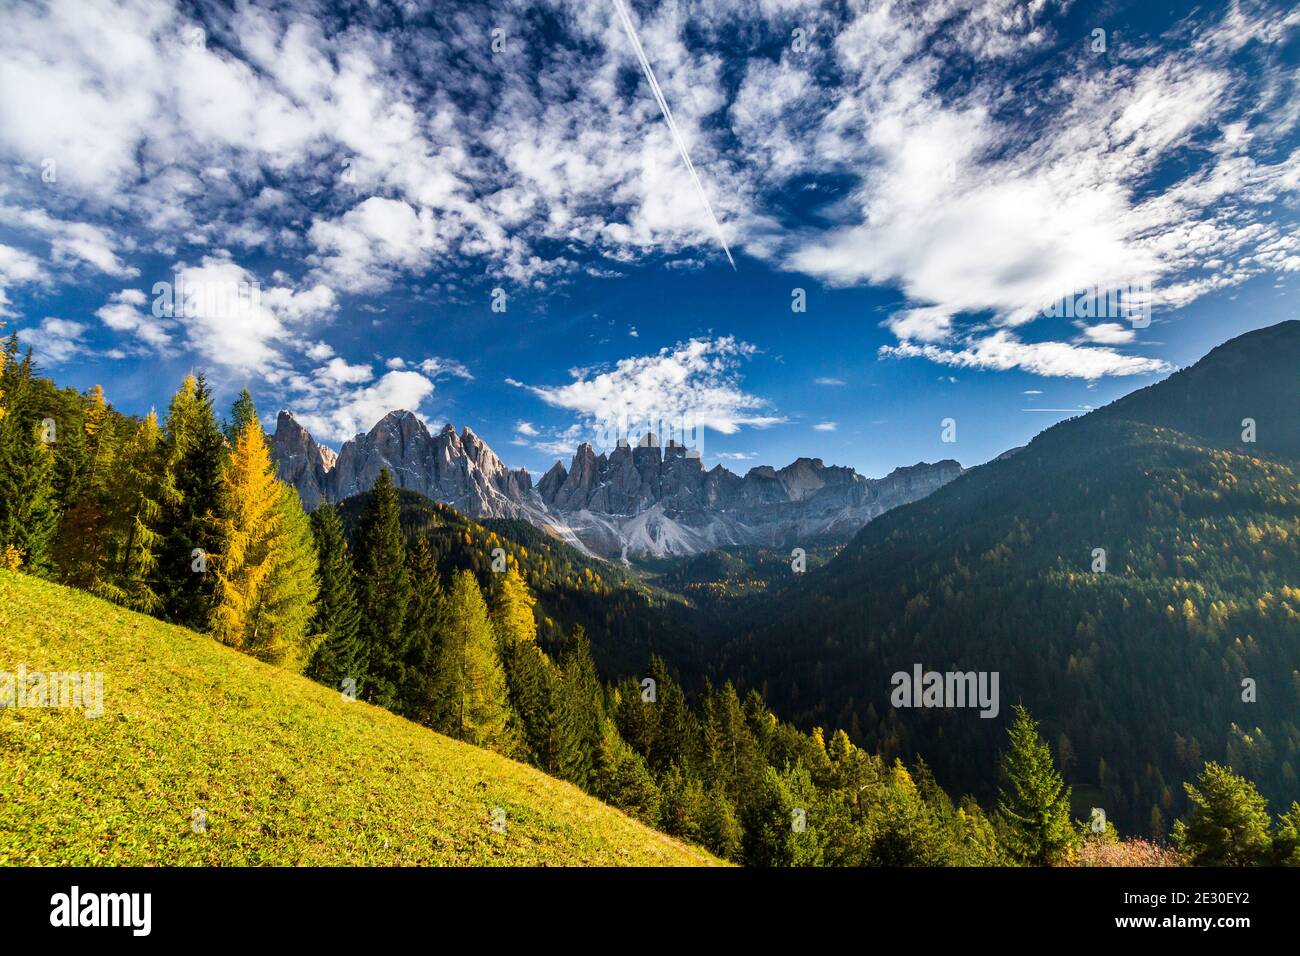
1136,671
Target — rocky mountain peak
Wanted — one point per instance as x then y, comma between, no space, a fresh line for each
640,498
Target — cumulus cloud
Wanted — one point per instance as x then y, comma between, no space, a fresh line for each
55,340
695,382
826,426
333,414
16,267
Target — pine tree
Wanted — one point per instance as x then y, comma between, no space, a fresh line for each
341,654
28,497
241,413
1033,800
470,691
80,546
622,779
1228,822
425,626
385,593
138,488
581,712
195,447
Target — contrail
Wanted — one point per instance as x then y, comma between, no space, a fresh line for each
672,126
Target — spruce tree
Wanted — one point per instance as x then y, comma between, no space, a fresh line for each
1227,824
28,497
622,779
581,712
138,488
470,691
195,446
425,626
80,545
341,654
241,413
1033,800
385,593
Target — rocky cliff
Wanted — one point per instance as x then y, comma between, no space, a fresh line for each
636,500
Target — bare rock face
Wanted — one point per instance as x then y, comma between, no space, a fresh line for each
300,461
639,499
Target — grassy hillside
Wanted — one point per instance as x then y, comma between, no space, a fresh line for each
286,771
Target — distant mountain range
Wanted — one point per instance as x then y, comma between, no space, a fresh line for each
635,501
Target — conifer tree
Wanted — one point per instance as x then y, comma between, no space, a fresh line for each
341,653
241,413
138,488
622,779
512,608
1033,800
281,632
385,593
195,447
79,551
1228,822
470,690
425,626
28,499
581,712
249,532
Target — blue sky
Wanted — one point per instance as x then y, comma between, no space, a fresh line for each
932,176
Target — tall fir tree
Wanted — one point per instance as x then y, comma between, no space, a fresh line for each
341,654
195,447
425,627
1033,800
80,551
385,593
138,488
1228,822
581,718
28,496
470,691
242,412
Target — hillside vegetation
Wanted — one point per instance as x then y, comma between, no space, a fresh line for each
286,771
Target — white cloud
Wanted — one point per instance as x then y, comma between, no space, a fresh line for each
826,426
149,334
1107,333
332,413
55,340
829,381
16,267
695,382
438,367
230,319
1002,351
527,429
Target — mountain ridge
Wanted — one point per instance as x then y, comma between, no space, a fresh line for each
637,500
